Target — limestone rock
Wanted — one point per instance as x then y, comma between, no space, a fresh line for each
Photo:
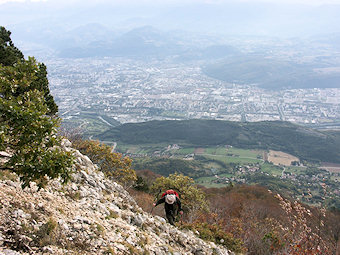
8,252
91,214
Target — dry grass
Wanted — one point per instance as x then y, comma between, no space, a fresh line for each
281,158
199,151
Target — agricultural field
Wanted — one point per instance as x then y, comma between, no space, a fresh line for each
208,182
140,150
222,154
89,124
214,160
281,158
295,169
233,159
333,168
271,169
231,155
220,166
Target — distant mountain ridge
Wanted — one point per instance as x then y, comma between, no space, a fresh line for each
273,73
142,41
306,143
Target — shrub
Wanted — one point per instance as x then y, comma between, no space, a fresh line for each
192,198
214,233
48,233
112,164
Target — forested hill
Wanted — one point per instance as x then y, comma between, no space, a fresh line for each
306,143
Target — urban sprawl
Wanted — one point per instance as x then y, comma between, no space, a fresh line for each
136,91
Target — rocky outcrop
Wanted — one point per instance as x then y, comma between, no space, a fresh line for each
90,215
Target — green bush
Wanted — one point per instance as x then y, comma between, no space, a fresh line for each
48,234
215,233
28,125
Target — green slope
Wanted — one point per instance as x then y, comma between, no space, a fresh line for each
273,73
306,143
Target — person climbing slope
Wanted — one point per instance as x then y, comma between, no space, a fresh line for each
172,205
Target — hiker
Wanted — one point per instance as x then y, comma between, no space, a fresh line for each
172,205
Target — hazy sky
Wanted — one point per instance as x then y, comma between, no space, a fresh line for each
308,2
41,19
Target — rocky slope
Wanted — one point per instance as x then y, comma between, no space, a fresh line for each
90,215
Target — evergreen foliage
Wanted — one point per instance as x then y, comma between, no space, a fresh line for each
27,131
41,84
12,56
9,54
215,233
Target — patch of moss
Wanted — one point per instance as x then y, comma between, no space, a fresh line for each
112,215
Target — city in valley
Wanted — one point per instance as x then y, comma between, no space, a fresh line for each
130,90
97,93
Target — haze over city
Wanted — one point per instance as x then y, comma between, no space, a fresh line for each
135,61
235,104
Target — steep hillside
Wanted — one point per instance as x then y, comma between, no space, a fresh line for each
299,141
90,215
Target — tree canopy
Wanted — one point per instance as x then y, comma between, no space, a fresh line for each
9,54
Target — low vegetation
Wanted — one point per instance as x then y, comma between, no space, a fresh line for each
304,143
244,218
193,199
215,233
252,219
113,164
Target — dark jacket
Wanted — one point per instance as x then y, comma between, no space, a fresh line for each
170,207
